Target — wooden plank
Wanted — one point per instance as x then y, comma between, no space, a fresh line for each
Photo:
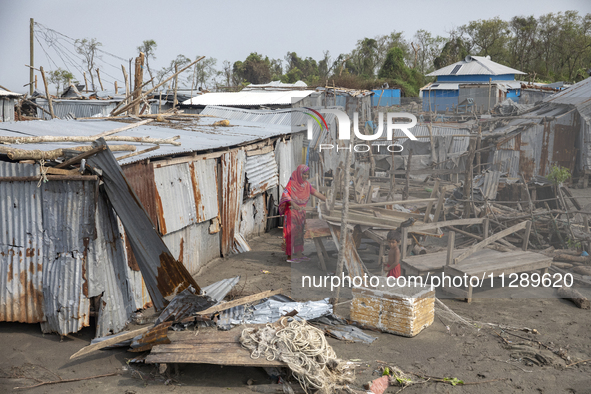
489,240
235,358
436,225
400,202
108,342
141,152
77,159
240,301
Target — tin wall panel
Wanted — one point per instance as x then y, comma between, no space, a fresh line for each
252,217
69,214
193,246
232,192
285,162
108,273
22,250
261,173
175,198
66,307
205,189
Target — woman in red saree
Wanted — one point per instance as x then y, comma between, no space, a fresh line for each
292,205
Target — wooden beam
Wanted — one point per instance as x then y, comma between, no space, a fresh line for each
138,153
400,202
440,202
481,245
526,237
436,225
47,93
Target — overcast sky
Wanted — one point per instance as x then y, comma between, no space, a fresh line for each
230,30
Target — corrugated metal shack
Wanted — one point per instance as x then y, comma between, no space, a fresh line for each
7,105
63,246
556,133
80,108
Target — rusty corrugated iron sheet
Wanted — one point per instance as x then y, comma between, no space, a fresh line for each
22,250
205,189
193,245
140,176
162,274
285,162
261,173
174,197
232,191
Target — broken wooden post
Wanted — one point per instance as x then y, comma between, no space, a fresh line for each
405,194
176,85
344,229
468,178
392,180
430,205
48,96
485,228
126,84
139,80
98,74
85,82
451,240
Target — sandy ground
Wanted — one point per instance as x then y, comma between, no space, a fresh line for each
473,355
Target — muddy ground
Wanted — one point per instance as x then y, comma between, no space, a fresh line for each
478,356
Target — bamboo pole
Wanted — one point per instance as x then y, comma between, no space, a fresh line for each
126,84
35,140
115,113
98,74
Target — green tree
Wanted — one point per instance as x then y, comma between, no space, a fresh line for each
203,71
60,77
395,69
148,47
488,38
89,48
255,69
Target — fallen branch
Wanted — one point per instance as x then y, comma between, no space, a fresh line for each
66,381
120,129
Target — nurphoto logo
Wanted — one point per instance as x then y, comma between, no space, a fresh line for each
345,129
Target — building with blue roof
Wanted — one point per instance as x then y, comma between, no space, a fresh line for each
474,84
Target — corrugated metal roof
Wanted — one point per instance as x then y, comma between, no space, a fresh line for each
479,65
285,164
441,86
205,189
250,98
79,108
196,136
6,93
578,95
174,197
261,173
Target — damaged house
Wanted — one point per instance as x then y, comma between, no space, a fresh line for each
70,241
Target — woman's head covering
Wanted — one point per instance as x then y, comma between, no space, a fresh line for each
297,189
